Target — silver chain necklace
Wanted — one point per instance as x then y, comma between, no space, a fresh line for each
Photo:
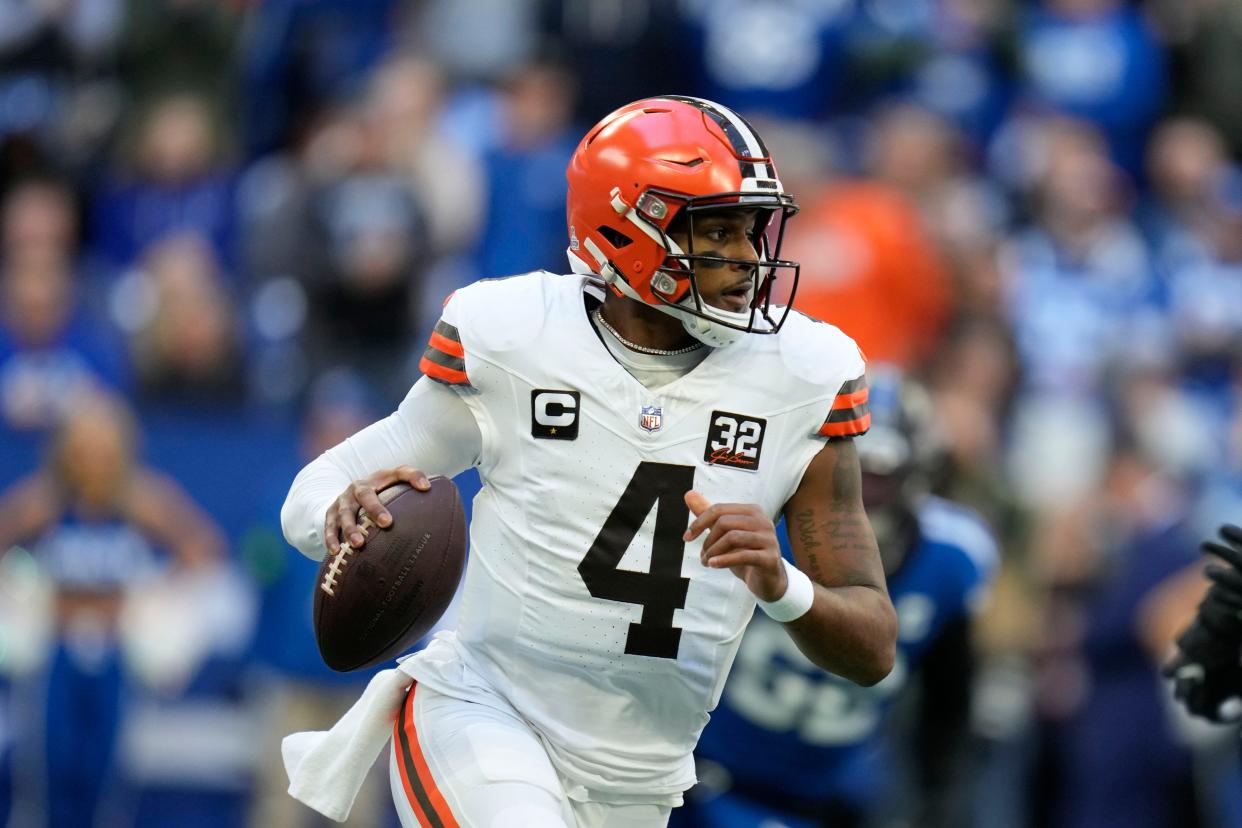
599,317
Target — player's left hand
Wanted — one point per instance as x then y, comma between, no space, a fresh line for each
742,538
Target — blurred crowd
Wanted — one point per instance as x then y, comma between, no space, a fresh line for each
226,228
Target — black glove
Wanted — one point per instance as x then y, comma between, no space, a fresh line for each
1207,674
1207,671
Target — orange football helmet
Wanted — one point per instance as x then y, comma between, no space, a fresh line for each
647,163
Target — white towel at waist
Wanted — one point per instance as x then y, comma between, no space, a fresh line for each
326,768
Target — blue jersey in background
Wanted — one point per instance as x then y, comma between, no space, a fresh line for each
789,736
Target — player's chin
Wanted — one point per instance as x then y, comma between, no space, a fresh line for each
731,302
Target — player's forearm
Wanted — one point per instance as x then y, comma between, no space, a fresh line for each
432,430
302,515
851,628
850,631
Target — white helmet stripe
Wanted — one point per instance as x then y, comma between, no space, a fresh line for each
744,139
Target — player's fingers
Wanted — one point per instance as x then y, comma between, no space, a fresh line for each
331,531
1229,578
739,557
723,524
347,518
1232,534
369,502
712,513
697,502
736,539
415,477
1226,553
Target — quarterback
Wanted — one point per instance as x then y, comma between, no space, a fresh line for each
638,425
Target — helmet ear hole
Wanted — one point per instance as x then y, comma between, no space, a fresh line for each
614,237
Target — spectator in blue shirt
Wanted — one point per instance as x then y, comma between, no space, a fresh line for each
52,346
177,183
1098,60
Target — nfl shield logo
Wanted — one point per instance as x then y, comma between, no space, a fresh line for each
652,418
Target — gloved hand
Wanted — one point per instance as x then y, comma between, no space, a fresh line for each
1207,670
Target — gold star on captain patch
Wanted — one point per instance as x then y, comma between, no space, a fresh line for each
553,431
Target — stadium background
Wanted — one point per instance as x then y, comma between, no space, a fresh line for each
242,218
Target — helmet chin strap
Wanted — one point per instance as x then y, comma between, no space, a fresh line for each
704,330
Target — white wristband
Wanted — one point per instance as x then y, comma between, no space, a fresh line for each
798,597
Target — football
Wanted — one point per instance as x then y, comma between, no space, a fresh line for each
374,603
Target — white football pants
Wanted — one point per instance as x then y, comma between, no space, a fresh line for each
459,764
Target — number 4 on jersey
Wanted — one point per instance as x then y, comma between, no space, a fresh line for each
662,589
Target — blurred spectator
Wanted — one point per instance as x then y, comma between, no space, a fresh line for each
1080,273
870,268
782,59
923,156
56,38
55,95
338,236
300,56
363,248
973,379
1097,60
184,338
97,524
1207,38
1124,581
965,74
478,40
180,46
618,50
403,107
176,182
1205,288
524,227
1079,295
1185,158
51,346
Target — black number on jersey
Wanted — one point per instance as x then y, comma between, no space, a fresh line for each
661,590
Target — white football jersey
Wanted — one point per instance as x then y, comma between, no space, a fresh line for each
582,605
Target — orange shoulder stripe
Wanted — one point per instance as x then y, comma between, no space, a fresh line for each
849,428
850,400
443,374
448,346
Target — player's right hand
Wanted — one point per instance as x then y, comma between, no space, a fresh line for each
340,525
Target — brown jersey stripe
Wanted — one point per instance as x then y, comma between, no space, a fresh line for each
447,331
453,363
856,384
441,374
851,428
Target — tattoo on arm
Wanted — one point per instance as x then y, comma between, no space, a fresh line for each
838,538
804,524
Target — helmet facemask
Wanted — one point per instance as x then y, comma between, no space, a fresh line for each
676,285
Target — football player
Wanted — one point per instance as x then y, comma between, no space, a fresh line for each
1207,669
639,425
815,744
